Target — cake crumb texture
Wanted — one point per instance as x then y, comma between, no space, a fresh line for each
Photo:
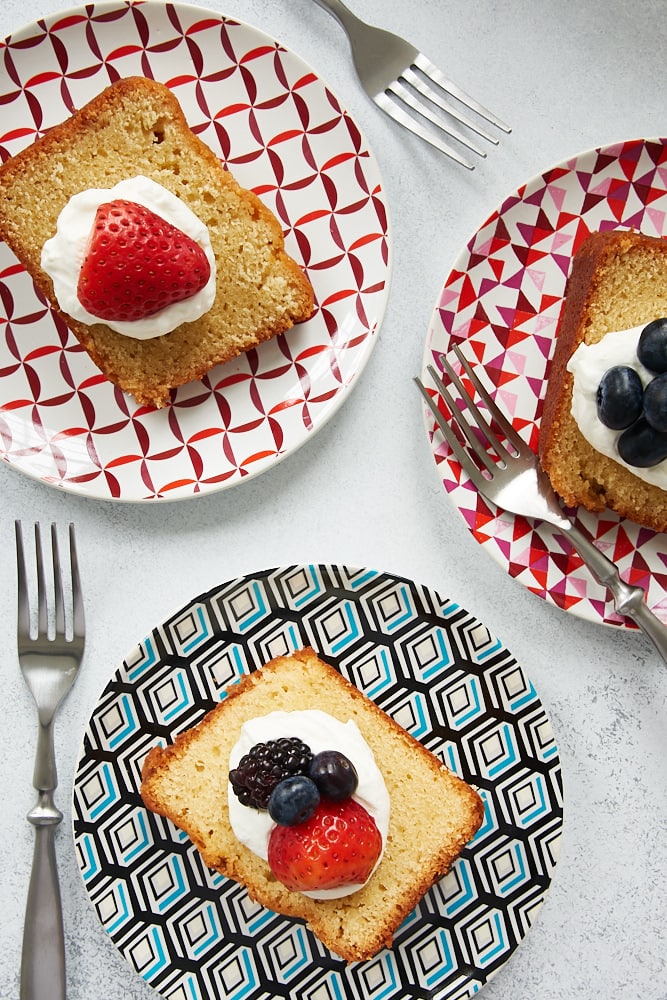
433,813
618,280
136,126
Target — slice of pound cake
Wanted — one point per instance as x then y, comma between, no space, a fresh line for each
598,443
299,787
184,271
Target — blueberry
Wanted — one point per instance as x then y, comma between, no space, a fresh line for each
652,346
334,775
655,403
619,397
642,446
293,800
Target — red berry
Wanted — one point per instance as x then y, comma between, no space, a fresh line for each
137,263
337,846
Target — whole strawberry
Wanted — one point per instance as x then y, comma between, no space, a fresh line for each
137,263
339,845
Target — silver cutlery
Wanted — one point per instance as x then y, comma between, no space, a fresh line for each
412,91
508,475
50,641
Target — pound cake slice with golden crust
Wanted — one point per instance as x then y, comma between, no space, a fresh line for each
617,286
432,814
136,129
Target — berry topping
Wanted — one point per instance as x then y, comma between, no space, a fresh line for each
293,800
266,764
137,263
619,397
339,845
334,775
655,403
641,445
652,346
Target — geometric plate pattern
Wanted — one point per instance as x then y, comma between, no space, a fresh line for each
194,935
502,301
285,135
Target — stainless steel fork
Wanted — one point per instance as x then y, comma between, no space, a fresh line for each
506,472
50,648
412,91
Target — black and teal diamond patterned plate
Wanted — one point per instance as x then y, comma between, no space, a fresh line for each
193,935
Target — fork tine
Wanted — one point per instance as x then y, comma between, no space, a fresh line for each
480,420
64,623
506,427
23,611
58,601
395,111
401,89
433,73
42,612
462,455
462,421
423,85
77,598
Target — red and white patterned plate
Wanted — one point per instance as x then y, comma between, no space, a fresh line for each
502,301
284,135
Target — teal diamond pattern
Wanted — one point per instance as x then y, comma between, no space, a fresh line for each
194,935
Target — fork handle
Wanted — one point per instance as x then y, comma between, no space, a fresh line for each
43,955
628,600
342,14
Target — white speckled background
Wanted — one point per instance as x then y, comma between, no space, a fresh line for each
364,491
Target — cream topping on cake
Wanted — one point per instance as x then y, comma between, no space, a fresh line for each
63,254
320,731
588,364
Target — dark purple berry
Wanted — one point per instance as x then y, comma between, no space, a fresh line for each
293,800
265,764
652,346
334,775
642,446
655,403
619,397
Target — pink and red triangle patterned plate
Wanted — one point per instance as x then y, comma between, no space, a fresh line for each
285,135
503,299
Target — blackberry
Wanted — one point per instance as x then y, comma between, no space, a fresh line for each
265,764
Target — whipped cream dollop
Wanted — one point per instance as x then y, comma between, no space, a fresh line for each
320,731
588,364
63,254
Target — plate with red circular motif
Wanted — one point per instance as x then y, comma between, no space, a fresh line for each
501,303
281,131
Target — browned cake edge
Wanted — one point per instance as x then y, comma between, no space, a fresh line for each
104,345
589,484
325,918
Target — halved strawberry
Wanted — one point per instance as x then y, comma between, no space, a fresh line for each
137,263
337,846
